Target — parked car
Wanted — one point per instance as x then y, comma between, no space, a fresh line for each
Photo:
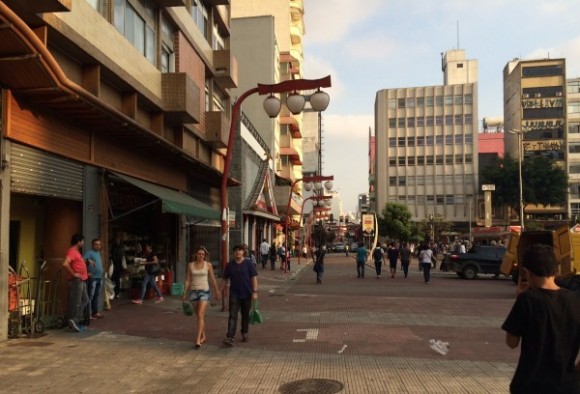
338,247
478,260
353,247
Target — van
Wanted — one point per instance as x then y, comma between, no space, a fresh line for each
558,239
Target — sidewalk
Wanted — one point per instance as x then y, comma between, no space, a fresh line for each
361,336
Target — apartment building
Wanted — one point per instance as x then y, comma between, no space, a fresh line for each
535,105
114,119
426,144
573,144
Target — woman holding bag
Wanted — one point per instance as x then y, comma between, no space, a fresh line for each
151,270
198,275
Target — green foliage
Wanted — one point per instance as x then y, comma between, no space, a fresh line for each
544,182
395,222
435,225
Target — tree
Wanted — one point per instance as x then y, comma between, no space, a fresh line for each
395,222
544,182
433,225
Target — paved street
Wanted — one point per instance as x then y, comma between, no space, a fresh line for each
359,335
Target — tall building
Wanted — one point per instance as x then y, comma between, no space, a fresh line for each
573,142
534,105
426,144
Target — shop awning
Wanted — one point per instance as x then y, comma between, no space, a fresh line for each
173,201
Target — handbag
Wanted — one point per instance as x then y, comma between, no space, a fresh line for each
187,308
255,315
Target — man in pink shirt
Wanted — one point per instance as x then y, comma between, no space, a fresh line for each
76,267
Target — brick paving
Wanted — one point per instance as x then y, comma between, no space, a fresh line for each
371,335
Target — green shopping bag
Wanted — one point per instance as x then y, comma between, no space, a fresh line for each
187,308
255,315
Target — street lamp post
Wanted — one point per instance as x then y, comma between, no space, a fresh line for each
318,199
319,102
520,159
312,182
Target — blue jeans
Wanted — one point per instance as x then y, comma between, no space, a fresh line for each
78,300
94,291
264,260
426,271
378,267
235,306
149,279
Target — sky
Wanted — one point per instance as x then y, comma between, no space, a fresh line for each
371,45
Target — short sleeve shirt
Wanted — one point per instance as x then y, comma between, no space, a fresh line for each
77,263
361,254
240,276
97,269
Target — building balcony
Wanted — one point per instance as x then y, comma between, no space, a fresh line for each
297,9
181,98
39,6
293,125
217,125
295,35
226,69
218,2
170,3
286,172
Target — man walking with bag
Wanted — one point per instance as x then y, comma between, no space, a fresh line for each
378,257
243,278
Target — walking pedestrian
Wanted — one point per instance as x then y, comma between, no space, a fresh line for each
319,263
378,257
393,255
546,319
264,252
117,257
425,256
346,249
198,276
76,267
282,256
405,254
151,270
95,273
243,279
361,258
273,256
249,255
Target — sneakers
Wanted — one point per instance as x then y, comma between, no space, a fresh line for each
74,326
229,341
159,299
138,302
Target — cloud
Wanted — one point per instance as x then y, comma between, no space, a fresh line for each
341,17
379,46
316,67
567,49
348,127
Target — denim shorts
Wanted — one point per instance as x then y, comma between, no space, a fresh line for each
199,295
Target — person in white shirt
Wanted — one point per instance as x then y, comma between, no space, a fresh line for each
425,256
264,252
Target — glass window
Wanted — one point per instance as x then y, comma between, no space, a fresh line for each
439,140
411,180
199,14
392,122
468,138
430,198
401,103
468,99
430,120
458,99
574,147
575,169
401,141
421,160
96,4
392,161
440,199
458,119
420,122
392,181
402,161
459,159
411,161
459,138
574,127
429,140
429,101
138,26
402,181
439,120
449,159
468,159
421,141
392,141
420,101
421,199
411,122
392,103
468,119
448,120
401,123
448,100
449,199
439,159
420,180
448,140
411,102
438,101
430,160
410,141
217,41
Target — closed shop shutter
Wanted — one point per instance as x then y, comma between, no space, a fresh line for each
35,172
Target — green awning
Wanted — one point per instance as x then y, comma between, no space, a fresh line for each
173,201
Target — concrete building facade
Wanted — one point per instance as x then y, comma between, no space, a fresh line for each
573,146
426,144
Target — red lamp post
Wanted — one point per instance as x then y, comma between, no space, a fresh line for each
317,198
318,100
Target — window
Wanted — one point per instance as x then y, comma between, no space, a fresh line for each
573,87
439,140
421,160
429,140
420,102
468,119
96,4
439,120
459,65
401,123
449,160
411,102
392,141
421,199
402,161
468,159
468,138
448,140
430,120
459,139
410,141
573,108
438,101
401,141
439,160
458,99
468,99
200,17
575,169
410,161
392,161
574,147
217,41
392,103
448,100
440,199
459,159
137,24
429,160
401,103
542,71
402,181
411,122
420,141
392,181
448,120
392,123
449,199
429,101
458,119
420,122
574,127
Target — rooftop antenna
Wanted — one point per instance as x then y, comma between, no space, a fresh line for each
458,47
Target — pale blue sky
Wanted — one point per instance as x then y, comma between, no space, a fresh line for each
372,45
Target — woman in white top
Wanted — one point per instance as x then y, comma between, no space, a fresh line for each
198,275
425,256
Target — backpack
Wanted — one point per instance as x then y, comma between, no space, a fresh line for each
377,253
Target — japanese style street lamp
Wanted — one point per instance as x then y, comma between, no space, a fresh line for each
318,201
319,102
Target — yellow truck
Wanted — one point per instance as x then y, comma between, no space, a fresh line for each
562,240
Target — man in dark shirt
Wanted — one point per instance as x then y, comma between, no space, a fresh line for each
243,278
546,318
